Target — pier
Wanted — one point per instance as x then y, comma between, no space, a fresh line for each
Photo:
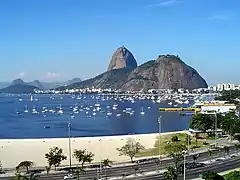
180,109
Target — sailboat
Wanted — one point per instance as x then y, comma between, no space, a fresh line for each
31,99
142,112
34,111
26,109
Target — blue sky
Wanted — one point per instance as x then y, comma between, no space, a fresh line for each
56,39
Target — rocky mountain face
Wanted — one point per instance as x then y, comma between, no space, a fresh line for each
122,58
166,72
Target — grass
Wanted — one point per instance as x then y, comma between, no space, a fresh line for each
182,137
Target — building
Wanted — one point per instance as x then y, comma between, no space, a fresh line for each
217,107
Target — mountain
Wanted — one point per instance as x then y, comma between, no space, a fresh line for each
122,58
19,89
37,84
18,81
166,72
111,79
53,85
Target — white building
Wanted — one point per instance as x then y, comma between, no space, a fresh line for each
221,108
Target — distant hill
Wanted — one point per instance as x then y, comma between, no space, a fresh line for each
19,89
166,72
38,84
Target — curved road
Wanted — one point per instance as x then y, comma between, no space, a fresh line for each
128,170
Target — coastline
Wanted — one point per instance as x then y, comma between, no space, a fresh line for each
13,151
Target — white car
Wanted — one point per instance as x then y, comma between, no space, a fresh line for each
69,176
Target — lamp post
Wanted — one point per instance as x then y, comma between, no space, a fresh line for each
69,144
184,166
159,132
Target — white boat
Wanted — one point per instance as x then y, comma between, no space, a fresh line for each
142,112
170,103
109,113
31,99
26,109
34,110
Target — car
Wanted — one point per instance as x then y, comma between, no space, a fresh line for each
69,176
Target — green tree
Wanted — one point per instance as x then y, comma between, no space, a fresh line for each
55,157
32,176
210,175
25,164
131,148
231,124
170,174
106,163
174,138
48,168
202,122
176,151
83,156
234,175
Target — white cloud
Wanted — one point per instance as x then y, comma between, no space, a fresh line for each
165,3
218,17
52,75
22,74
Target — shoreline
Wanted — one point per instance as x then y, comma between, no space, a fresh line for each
13,151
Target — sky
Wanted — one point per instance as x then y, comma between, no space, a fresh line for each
54,40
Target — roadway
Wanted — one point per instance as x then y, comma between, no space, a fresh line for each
194,173
148,167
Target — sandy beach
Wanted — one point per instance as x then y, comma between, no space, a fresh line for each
13,151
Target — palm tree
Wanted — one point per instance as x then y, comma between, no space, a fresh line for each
170,174
106,163
24,164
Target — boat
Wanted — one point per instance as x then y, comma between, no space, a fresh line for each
26,109
142,112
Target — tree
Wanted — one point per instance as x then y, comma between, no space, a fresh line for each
31,177
202,122
55,157
106,163
176,151
83,156
170,174
231,124
131,148
24,164
210,175
174,138
48,168
234,175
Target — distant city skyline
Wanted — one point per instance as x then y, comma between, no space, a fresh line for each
59,40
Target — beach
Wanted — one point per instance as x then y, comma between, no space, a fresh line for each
13,151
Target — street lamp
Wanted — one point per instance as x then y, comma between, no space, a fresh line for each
184,165
159,132
69,143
